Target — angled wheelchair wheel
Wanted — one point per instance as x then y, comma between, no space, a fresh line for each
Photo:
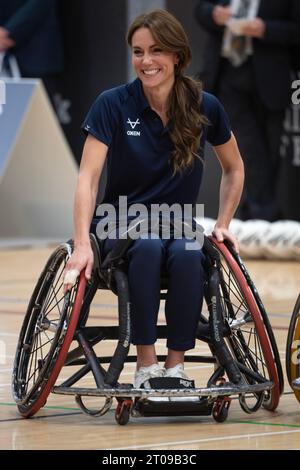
251,341
293,348
46,334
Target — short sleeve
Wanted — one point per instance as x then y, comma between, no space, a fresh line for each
218,129
101,119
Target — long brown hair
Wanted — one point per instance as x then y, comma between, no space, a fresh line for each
185,99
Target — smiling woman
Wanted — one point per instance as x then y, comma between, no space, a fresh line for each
152,132
153,65
160,54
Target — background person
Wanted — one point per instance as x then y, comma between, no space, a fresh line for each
30,30
249,70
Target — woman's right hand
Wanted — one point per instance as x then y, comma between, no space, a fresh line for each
82,258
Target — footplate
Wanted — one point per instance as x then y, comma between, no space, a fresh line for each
126,390
168,406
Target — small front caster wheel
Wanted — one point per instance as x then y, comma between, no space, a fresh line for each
220,415
220,409
123,412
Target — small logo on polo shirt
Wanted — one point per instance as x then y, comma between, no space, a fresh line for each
133,124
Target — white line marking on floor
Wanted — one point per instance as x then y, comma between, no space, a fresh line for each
9,334
211,439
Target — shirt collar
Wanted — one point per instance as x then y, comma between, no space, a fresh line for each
135,89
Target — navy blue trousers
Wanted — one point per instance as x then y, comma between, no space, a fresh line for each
147,260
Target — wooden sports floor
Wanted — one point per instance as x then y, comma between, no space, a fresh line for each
61,425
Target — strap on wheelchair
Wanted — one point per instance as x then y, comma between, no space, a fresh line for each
117,253
216,324
96,251
122,349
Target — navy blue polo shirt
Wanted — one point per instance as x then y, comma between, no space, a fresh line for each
139,147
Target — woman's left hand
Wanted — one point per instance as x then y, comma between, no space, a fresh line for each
222,233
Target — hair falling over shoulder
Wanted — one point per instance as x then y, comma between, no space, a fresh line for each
184,106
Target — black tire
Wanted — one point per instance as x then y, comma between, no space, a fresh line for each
293,348
46,334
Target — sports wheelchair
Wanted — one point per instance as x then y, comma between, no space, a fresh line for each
244,355
293,351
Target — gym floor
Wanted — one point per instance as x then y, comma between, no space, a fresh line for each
61,425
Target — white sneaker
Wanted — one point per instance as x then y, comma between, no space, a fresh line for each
143,375
176,371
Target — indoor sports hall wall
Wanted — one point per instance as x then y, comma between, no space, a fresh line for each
97,58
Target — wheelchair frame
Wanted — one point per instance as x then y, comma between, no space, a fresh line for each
293,350
251,363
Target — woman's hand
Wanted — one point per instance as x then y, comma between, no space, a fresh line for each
82,258
222,233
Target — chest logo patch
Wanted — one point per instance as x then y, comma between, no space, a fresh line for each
133,124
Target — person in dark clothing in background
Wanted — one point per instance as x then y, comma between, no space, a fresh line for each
248,65
29,29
